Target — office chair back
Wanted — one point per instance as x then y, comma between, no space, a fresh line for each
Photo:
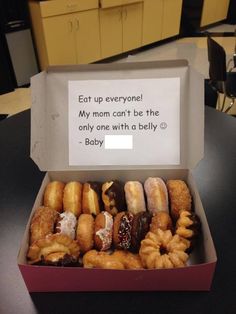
217,61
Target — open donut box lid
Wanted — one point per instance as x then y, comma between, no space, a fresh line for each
171,88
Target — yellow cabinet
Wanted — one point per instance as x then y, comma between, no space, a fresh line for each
171,18
66,32
120,28
152,21
213,12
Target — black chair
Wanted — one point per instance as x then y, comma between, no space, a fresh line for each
221,81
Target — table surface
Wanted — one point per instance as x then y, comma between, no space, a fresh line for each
20,180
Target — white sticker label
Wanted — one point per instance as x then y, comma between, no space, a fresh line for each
124,122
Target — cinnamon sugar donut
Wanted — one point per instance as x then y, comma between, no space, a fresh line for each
72,197
53,195
162,250
103,231
85,232
122,230
180,197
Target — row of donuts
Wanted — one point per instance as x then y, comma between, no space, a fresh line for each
114,196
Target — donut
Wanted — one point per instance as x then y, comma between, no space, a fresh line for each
116,260
91,200
161,220
85,232
188,226
72,198
95,259
53,195
113,197
134,196
42,223
66,224
163,250
140,227
157,196
61,244
122,230
179,196
103,231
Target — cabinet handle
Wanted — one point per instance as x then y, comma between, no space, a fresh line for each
77,24
70,26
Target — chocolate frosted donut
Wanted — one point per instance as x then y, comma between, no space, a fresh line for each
122,230
140,227
113,197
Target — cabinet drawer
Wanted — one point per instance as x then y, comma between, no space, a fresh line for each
57,7
114,3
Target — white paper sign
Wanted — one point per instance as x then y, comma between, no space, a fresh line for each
124,122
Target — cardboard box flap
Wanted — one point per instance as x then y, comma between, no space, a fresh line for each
51,124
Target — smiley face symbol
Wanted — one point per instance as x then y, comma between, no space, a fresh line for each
163,125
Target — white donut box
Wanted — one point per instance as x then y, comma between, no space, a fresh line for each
50,151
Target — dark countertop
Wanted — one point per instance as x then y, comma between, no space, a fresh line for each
20,180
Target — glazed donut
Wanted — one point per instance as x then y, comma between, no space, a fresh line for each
122,230
85,232
61,244
91,200
95,259
103,231
42,223
188,226
157,196
113,197
134,196
162,250
180,197
66,224
161,220
53,195
72,198
116,260
140,227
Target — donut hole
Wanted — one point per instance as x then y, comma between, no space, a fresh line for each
163,250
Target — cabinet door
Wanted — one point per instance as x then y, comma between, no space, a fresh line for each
132,26
60,39
221,10
208,12
171,18
111,31
152,21
87,36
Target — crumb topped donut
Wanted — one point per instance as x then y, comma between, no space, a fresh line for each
162,250
103,231
122,230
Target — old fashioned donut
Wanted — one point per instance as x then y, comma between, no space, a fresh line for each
72,198
52,246
53,195
162,250
134,196
140,227
122,230
161,220
91,199
42,223
85,232
103,231
180,197
113,197
157,196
